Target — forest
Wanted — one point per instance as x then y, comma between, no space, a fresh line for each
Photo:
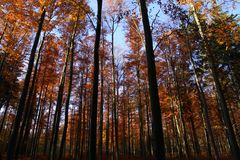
119,80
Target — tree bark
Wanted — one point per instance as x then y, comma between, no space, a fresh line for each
94,103
204,108
79,123
28,108
220,95
157,130
108,123
13,139
53,144
100,145
63,142
140,114
48,124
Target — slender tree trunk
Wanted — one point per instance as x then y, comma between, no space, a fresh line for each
195,138
140,114
38,125
63,142
204,108
79,123
36,122
84,118
13,139
157,130
108,124
28,107
1,66
129,130
180,110
101,113
94,103
124,128
53,144
221,98
112,135
48,124
149,146
114,101
175,126
25,139
4,115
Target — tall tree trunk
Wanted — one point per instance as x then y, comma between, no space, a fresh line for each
108,123
149,146
175,125
195,138
84,117
180,109
140,114
63,142
79,122
129,130
39,125
48,124
114,97
112,135
157,130
14,136
1,66
94,103
28,107
100,144
204,107
39,107
221,98
53,144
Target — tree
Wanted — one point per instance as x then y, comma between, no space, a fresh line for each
158,141
13,140
94,102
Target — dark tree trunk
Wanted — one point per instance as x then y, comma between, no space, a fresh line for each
220,95
14,136
53,144
101,113
114,97
149,146
204,109
94,103
28,107
79,123
84,117
39,125
195,138
108,123
157,130
63,142
140,114
129,130
48,124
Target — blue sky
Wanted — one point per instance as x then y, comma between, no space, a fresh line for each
120,34
119,37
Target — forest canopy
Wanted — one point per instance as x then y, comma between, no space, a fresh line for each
118,79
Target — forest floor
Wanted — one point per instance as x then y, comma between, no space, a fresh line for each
202,157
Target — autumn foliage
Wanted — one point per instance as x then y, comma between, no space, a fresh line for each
119,79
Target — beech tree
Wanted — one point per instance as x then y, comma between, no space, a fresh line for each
119,79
